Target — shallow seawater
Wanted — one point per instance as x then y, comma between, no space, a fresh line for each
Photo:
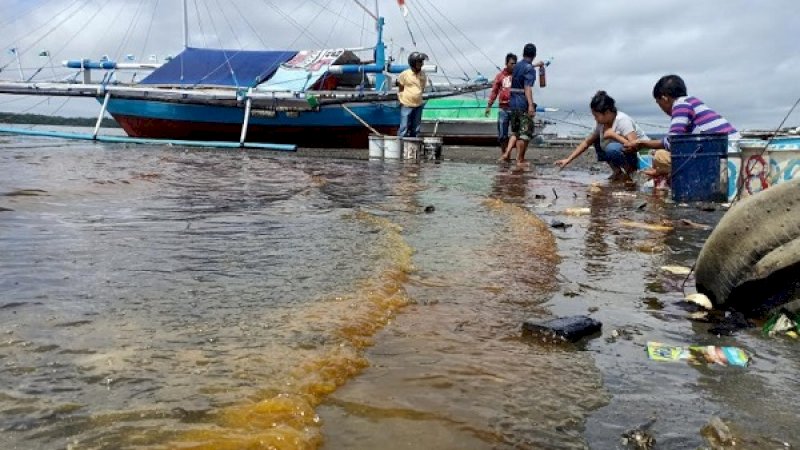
160,297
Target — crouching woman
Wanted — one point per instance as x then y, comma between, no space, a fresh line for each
614,131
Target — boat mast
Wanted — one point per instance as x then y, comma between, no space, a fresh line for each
185,25
380,58
380,47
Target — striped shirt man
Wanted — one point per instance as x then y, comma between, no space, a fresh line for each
691,116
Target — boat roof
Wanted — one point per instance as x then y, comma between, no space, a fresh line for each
219,67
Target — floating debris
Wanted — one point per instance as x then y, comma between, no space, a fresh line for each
577,211
696,354
700,300
570,329
640,437
782,322
25,193
649,247
559,224
623,333
646,226
700,226
718,434
677,270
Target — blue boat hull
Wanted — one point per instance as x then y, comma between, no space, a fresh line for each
331,126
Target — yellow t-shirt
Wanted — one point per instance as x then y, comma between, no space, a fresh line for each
413,85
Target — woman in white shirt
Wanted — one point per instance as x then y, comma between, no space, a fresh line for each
614,130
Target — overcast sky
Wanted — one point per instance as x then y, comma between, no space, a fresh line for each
742,57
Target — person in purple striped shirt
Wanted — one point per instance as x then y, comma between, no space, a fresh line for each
689,116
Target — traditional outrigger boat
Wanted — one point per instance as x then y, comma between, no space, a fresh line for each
238,98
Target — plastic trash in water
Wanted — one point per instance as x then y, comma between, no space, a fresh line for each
700,300
570,329
782,322
698,354
677,270
577,211
646,226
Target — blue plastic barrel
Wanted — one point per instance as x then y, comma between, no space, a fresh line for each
696,166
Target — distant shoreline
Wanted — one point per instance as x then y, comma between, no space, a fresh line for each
41,119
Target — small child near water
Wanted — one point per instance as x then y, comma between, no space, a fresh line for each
614,131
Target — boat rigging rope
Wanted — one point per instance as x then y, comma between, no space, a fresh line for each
654,125
438,25
35,105
213,24
576,124
252,28
490,60
230,27
14,99
125,37
335,24
222,47
81,30
200,25
340,15
303,30
430,47
149,29
410,33
55,111
363,21
18,17
69,16
53,18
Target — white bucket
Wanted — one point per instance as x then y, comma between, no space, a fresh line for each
392,147
433,147
376,147
413,148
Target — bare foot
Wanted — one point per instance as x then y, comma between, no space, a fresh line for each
523,163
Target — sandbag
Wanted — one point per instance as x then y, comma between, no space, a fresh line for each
756,238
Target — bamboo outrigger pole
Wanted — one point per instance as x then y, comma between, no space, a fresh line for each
247,107
100,116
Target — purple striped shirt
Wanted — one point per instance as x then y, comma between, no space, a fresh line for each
691,116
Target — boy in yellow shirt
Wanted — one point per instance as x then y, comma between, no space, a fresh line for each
411,83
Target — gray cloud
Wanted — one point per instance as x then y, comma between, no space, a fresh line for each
739,56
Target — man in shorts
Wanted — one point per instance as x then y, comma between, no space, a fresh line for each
521,105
